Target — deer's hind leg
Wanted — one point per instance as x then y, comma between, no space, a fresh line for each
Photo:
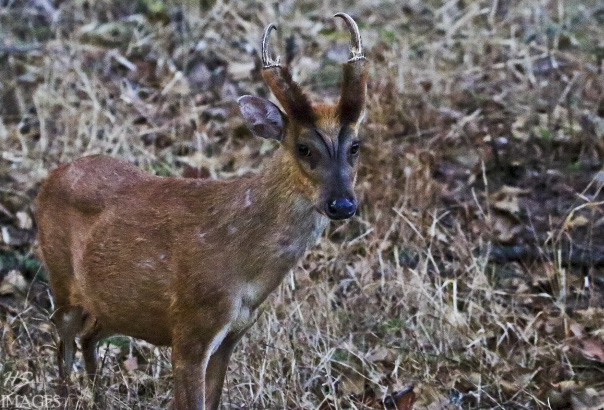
69,321
89,338
67,317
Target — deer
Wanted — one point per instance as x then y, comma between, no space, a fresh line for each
183,262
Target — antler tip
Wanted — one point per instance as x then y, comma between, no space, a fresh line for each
346,17
267,61
356,48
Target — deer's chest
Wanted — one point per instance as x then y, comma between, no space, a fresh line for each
287,248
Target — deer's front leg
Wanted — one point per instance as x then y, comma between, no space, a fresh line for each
190,358
217,367
189,376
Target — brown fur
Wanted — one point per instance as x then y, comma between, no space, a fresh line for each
327,117
160,259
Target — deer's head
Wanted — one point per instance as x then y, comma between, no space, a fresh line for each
320,140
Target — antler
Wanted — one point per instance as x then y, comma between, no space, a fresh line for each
295,103
267,61
354,80
356,46
286,90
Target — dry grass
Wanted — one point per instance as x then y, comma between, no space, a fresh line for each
473,269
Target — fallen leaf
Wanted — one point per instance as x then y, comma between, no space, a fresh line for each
576,222
24,220
131,364
572,395
576,329
401,400
380,354
14,237
506,199
505,226
587,399
592,348
13,283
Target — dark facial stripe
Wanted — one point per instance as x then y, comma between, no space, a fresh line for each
342,134
328,144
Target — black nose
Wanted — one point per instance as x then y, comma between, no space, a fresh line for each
341,208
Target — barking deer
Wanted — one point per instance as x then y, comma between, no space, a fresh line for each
185,263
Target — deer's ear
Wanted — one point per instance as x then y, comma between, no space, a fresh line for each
263,117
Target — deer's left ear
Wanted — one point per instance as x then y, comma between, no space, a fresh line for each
263,117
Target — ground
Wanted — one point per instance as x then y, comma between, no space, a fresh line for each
473,270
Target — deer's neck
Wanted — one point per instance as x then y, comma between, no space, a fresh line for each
282,222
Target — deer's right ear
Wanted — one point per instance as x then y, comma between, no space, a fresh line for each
263,117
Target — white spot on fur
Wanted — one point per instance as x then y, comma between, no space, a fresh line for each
232,229
146,264
248,198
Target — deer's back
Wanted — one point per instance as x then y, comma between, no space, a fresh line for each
89,184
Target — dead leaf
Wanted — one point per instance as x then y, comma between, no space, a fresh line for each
506,199
380,354
587,399
131,364
592,348
401,400
576,222
24,220
351,381
13,283
466,158
507,204
573,395
505,226
576,329
14,237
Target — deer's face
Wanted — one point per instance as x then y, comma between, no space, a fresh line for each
326,157
321,140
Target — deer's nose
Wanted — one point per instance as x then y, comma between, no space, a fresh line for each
341,208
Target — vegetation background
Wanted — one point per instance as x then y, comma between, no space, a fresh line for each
473,270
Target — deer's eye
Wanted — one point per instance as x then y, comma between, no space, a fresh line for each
354,148
303,150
